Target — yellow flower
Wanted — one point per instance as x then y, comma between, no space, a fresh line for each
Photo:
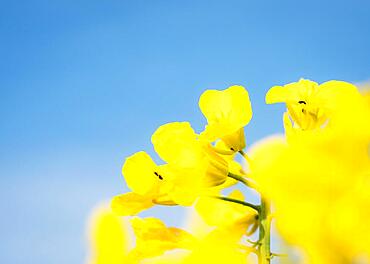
310,104
227,113
192,167
193,164
109,238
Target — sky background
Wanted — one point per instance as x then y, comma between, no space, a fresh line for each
85,83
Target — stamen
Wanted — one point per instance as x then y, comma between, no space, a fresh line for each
158,175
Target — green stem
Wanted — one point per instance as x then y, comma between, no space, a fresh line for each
245,156
243,180
264,233
228,199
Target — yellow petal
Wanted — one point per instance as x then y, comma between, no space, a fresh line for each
276,94
292,93
336,94
236,140
219,246
223,150
176,143
130,203
288,126
216,168
186,185
226,111
153,238
171,257
139,171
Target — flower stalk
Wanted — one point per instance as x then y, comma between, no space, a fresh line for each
242,179
264,256
228,199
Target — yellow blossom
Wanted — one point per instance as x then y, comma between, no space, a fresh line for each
193,164
310,104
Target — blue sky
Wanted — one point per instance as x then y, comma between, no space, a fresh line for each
85,83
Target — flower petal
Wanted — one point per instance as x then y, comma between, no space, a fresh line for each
227,110
130,203
176,143
139,171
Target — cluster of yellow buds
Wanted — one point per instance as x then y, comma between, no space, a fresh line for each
314,182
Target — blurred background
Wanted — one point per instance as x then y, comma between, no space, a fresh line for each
85,83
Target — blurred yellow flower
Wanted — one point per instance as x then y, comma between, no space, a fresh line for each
313,184
109,238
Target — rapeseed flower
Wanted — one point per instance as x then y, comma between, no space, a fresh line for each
309,104
195,166
314,182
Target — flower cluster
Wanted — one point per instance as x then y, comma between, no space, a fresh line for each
314,183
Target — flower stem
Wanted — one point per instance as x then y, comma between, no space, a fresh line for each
228,199
264,232
243,180
245,156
